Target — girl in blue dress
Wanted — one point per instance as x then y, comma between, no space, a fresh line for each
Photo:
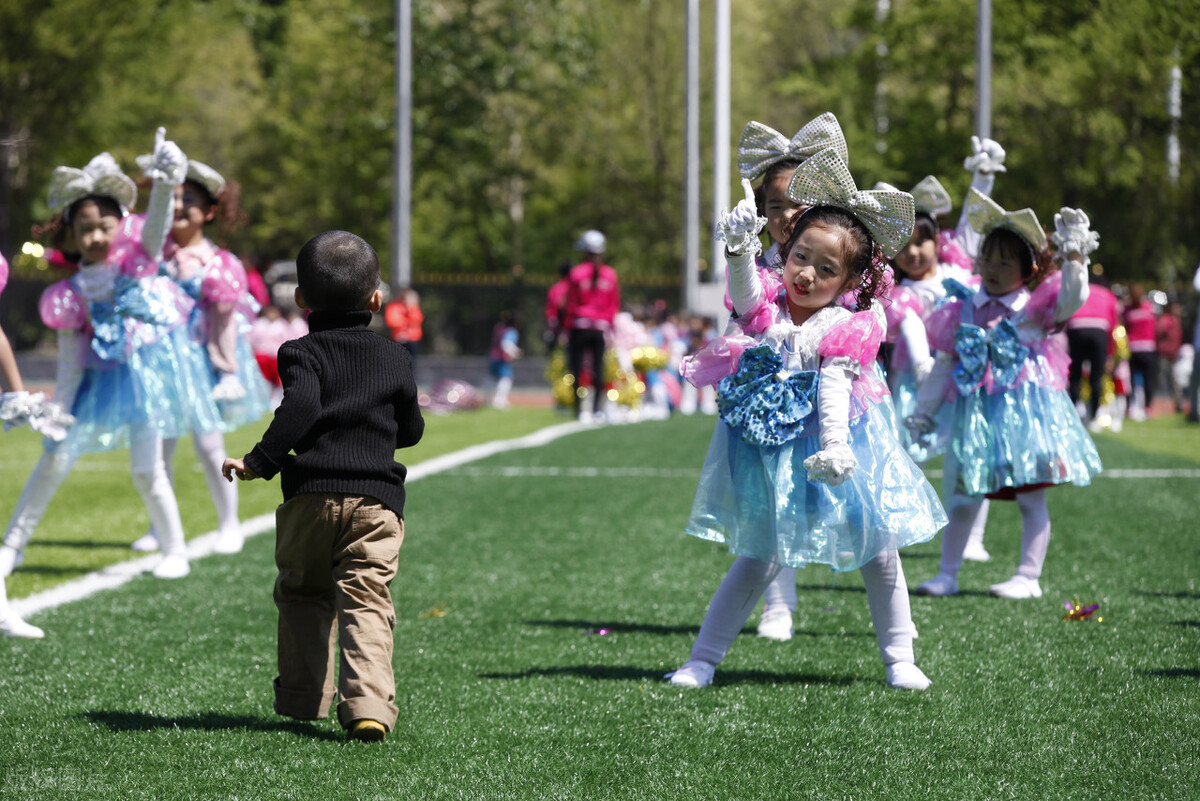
806,466
1002,363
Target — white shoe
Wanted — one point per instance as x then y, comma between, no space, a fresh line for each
10,559
229,388
146,543
776,625
1018,588
172,567
229,541
585,418
940,585
975,552
694,673
13,626
906,676
1095,426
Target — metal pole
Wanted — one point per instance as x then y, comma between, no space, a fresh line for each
983,70
401,273
720,200
691,156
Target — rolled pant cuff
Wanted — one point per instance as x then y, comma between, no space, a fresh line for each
354,709
300,705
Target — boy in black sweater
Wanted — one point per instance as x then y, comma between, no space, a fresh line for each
349,401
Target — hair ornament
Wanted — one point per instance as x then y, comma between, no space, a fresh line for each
101,177
930,197
986,215
761,146
825,180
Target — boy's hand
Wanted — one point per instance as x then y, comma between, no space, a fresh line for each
231,466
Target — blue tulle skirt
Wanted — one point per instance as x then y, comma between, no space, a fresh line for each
758,500
209,414
904,397
121,403
1024,436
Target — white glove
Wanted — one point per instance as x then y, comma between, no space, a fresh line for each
15,408
1073,234
832,465
167,163
986,156
922,369
52,421
739,228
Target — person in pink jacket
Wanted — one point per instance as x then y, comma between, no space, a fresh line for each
593,300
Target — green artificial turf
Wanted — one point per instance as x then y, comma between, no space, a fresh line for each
514,565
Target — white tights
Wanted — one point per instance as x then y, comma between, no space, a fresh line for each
149,475
734,600
210,450
1035,531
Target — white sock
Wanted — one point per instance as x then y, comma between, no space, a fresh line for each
47,476
781,592
962,510
1035,532
210,450
731,606
887,596
149,474
978,525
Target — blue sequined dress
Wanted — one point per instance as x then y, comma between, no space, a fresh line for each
754,493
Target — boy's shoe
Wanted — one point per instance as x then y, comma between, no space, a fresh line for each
776,625
13,626
146,543
10,559
366,731
694,673
1018,588
940,585
906,676
229,541
172,567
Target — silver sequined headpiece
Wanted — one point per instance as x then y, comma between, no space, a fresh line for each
825,180
931,198
101,177
986,215
761,146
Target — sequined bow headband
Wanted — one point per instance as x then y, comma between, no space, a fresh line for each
212,181
930,197
101,177
825,180
986,215
761,147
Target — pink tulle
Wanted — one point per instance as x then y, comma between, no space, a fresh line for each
942,324
3,272
62,308
867,391
767,311
716,360
224,279
857,337
1043,301
895,305
950,252
127,252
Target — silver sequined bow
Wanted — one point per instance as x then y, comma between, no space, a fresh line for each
825,180
930,197
761,146
101,177
986,215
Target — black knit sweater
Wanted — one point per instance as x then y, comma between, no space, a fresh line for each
349,401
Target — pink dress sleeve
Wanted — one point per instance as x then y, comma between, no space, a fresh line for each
901,301
1043,301
62,308
3,272
762,315
942,325
950,252
857,338
127,252
225,279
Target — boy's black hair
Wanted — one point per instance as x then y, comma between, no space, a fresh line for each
337,271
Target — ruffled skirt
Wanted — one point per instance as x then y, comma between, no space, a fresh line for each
758,500
904,397
1024,436
210,415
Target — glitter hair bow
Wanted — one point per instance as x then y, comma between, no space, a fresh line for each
761,147
986,215
212,181
930,197
101,177
977,349
825,180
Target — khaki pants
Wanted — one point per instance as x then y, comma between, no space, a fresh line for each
337,555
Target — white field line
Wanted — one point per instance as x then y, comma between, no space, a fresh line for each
199,547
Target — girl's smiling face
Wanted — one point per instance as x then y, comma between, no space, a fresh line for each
815,273
192,210
93,229
918,259
779,208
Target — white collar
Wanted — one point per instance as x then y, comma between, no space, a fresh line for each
1014,300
